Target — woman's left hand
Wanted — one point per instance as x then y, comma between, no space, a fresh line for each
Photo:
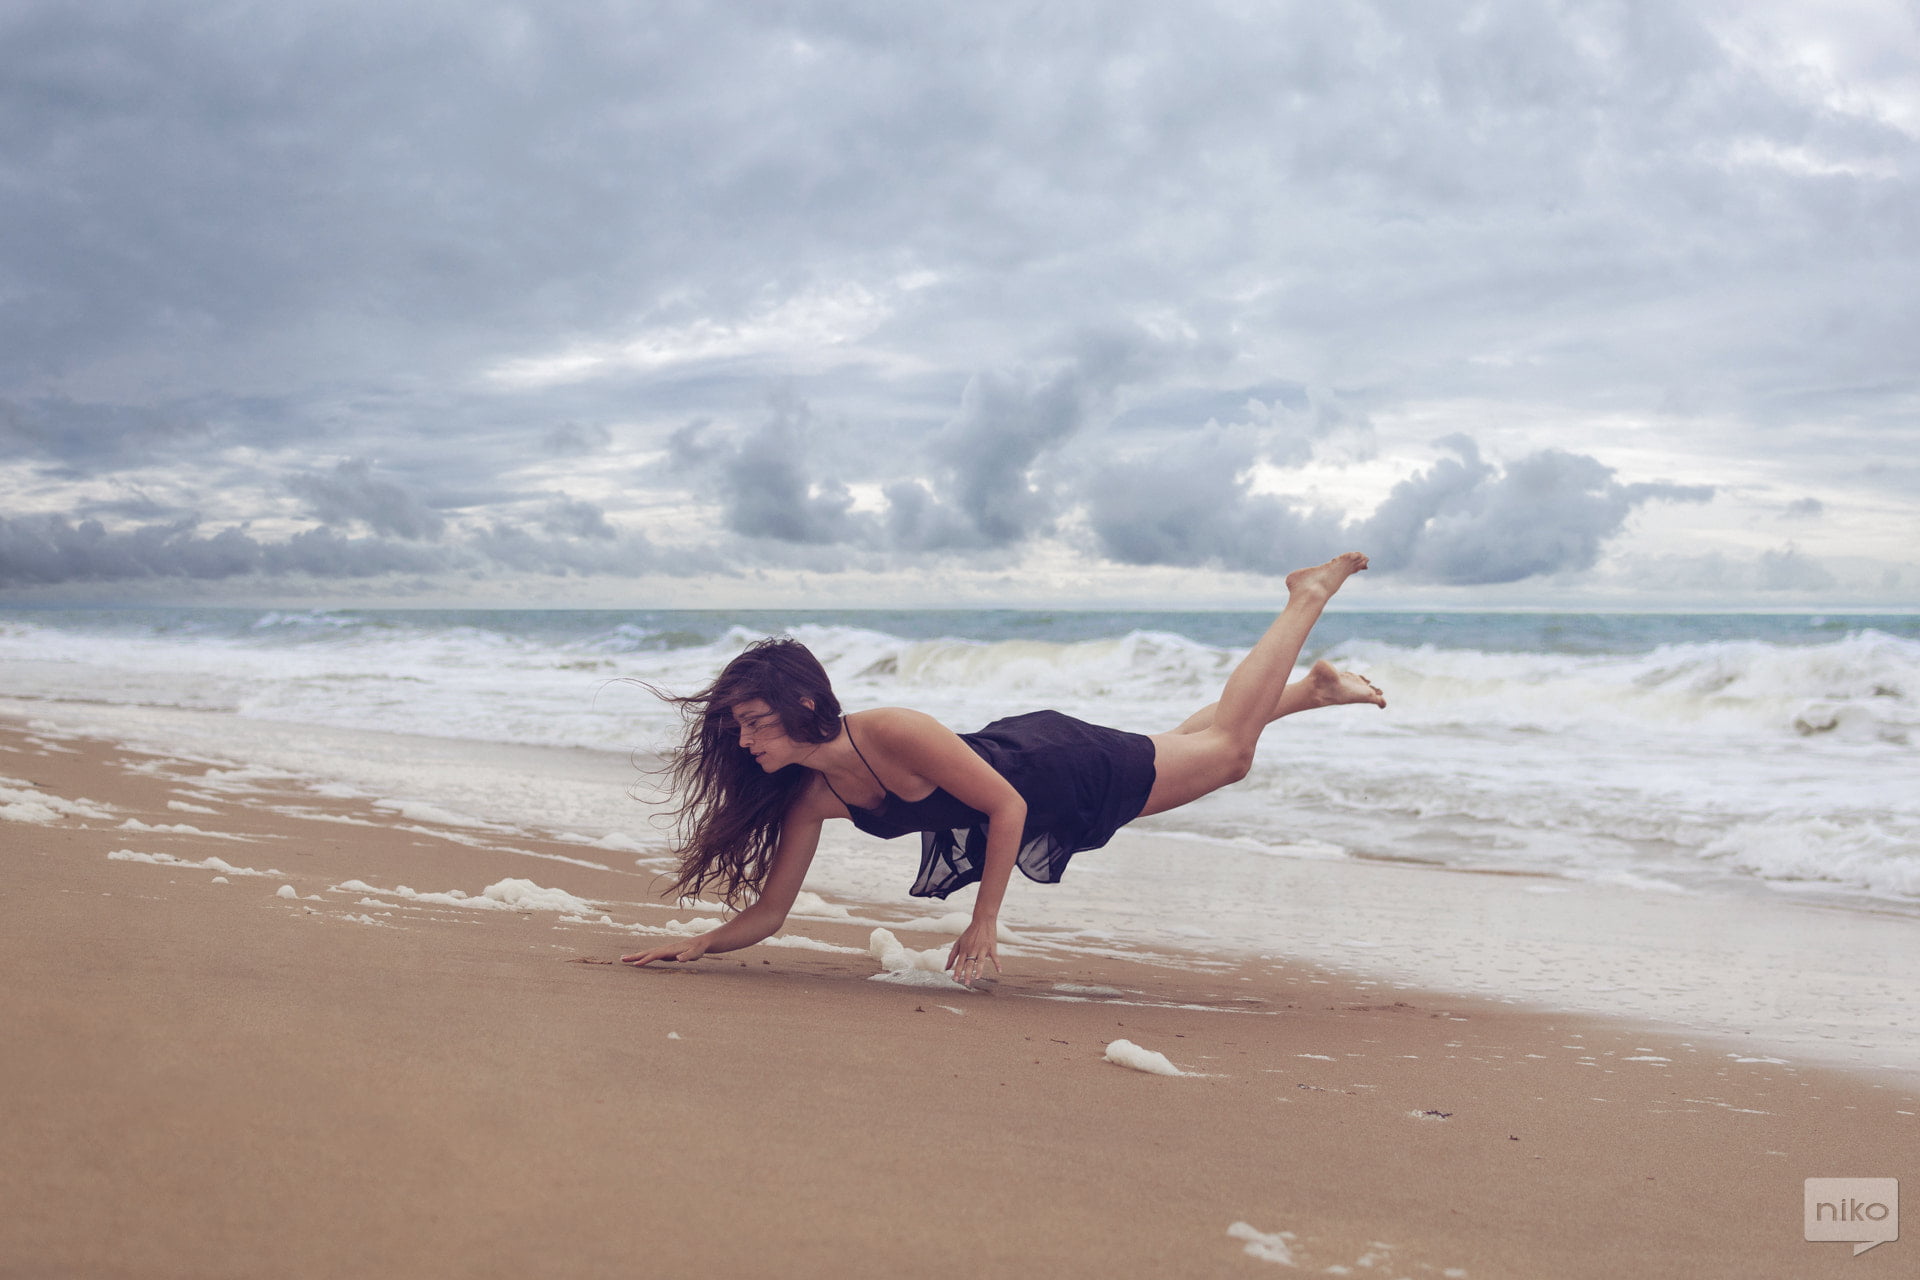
973,950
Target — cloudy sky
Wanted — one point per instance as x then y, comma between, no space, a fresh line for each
1609,304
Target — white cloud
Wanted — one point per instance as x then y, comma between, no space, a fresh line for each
804,331
1855,57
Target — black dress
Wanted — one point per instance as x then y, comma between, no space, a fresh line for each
1082,782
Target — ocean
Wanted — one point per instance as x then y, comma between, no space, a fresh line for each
1670,753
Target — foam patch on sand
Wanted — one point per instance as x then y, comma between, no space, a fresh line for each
502,895
466,838
1140,1004
697,926
420,811
205,864
1126,1053
679,928
812,904
525,895
560,857
478,842
1268,1246
181,829
691,928
804,943
316,815
48,736
21,801
907,967
955,923
246,777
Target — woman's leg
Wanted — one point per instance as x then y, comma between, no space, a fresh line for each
1323,686
1215,746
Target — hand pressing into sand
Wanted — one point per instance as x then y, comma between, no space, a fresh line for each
972,950
689,950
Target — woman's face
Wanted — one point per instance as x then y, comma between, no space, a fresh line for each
763,736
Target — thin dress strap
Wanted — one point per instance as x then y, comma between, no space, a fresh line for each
884,793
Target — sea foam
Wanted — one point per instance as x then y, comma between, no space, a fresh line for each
1674,753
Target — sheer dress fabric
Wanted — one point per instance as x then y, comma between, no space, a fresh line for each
1082,782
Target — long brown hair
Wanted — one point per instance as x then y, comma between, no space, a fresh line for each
730,811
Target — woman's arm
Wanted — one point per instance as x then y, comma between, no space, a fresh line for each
937,754
799,838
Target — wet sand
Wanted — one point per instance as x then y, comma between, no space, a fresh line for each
207,1079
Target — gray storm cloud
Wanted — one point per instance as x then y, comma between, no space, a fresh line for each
987,493
47,550
1000,482
763,478
351,492
1006,425
1190,505
989,483
573,518
1463,521
91,437
44,550
573,439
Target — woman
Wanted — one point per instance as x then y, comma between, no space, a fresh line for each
769,757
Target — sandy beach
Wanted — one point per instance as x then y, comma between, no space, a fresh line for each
384,1071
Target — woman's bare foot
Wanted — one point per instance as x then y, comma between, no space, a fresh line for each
1325,579
1331,688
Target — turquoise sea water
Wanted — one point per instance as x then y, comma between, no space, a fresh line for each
666,629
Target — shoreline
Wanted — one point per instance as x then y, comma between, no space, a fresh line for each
215,1074
1795,976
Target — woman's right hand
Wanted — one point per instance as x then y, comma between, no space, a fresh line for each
688,949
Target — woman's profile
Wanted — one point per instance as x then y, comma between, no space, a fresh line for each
769,757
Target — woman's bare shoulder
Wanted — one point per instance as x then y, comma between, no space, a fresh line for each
897,722
913,740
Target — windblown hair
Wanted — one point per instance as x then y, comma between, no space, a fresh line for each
730,812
